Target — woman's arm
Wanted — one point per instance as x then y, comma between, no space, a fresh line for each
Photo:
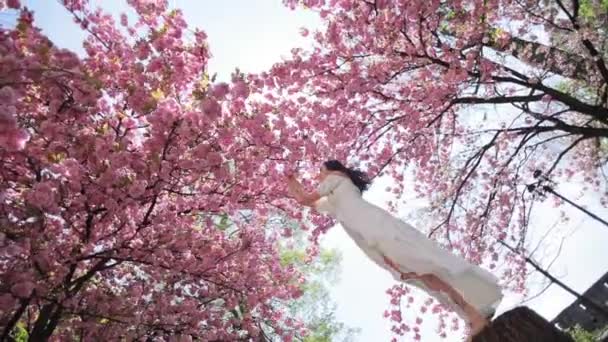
297,191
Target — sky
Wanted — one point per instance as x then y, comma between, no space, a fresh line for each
252,35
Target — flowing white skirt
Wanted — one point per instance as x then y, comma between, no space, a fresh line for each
379,234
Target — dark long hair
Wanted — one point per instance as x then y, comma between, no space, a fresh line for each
359,178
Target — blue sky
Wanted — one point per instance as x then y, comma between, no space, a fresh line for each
252,35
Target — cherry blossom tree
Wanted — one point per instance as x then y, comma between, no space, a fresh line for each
395,84
489,104
118,173
119,169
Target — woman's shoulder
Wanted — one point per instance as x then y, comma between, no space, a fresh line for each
338,175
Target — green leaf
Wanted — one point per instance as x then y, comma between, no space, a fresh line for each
581,335
224,222
586,9
19,333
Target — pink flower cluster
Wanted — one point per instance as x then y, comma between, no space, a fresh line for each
400,87
116,169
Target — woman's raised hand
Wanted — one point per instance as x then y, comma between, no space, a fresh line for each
295,188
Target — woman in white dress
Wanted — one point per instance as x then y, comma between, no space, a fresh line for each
396,246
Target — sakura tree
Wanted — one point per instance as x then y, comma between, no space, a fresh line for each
118,172
489,104
399,84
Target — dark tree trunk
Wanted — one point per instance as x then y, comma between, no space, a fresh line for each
548,58
46,322
521,325
544,57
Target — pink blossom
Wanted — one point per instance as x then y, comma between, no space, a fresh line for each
220,90
143,51
15,4
6,302
127,164
240,90
13,250
7,96
14,140
67,59
8,121
131,164
214,158
42,195
43,261
201,150
22,289
211,108
124,21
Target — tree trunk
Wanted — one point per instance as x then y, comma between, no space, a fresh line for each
543,57
521,325
46,322
548,58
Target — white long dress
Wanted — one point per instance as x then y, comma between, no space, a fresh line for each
379,233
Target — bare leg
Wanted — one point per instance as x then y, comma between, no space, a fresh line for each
476,320
404,275
431,281
390,263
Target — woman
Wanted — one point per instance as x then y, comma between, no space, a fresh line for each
399,248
